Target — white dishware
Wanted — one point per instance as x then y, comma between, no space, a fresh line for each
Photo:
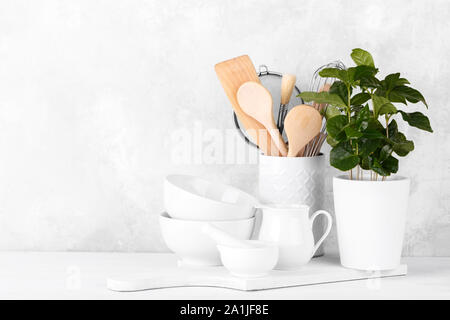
294,181
291,228
193,247
192,198
249,262
370,219
223,238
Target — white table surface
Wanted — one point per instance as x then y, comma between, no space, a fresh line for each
73,275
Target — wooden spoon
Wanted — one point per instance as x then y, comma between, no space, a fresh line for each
302,124
232,74
256,101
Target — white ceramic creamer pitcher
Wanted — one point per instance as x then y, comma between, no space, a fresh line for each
291,228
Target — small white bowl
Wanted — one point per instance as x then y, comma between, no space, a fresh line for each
250,262
192,246
192,198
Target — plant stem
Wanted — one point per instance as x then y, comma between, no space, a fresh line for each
373,111
387,117
349,111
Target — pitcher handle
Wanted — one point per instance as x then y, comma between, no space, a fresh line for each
327,231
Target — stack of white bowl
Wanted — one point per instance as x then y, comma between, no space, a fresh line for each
190,204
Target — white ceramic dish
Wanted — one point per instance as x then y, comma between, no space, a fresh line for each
250,262
193,247
191,198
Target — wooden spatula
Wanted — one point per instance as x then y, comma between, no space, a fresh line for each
232,74
256,101
302,124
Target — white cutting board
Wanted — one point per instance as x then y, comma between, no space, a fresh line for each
319,270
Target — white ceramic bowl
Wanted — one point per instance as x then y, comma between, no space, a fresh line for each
250,262
192,246
192,198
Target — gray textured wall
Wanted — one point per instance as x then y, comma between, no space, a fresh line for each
90,91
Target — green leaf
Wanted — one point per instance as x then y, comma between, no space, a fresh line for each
385,152
379,102
342,157
367,146
366,163
386,167
390,81
373,129
390,164
400,144
387,108
356,109
373,134
347,76
336,125
392,129
402,82
393,80
360,98
332,142
332,111
322,97
378,168
362,57
363,71
374,124
370,82
363,118
394,97
330,73
364,114
352,133
417,119
410,94
339,88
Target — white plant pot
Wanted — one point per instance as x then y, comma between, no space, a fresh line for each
370,219
294,181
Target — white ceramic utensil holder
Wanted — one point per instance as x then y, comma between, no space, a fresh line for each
294,181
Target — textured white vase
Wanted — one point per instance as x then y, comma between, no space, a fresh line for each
370,219
294,181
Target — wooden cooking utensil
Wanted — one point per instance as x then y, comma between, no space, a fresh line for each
302,124
287,85
256,101
313,147
320,106
232,74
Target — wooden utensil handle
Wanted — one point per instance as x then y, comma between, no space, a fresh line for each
278,140
287,85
